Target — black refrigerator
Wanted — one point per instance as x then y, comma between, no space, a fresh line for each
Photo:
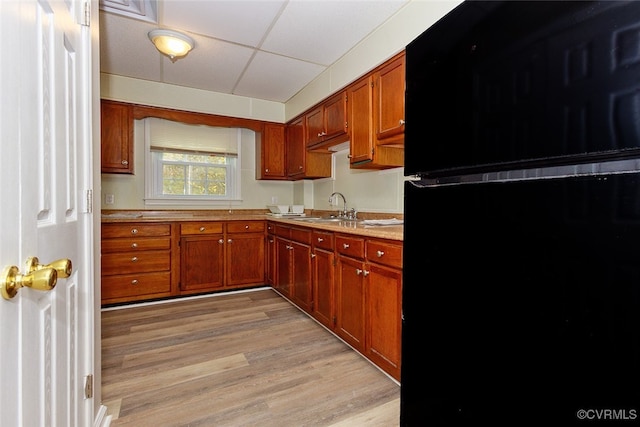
521,288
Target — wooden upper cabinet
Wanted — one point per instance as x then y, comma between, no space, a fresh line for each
116,124
388,101
327,123
271,154
302,163
296,148
360,121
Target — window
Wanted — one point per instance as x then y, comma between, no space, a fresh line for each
191,164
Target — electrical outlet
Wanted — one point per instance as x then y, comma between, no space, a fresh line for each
109,199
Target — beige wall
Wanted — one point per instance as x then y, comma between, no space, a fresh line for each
366,191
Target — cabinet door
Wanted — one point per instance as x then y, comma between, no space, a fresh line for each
296,148
301,292
245,259
389,94
116,124
284,257
201,262
384,318
323,287
271,269
273,152
335,116
350,310
360,121
315,126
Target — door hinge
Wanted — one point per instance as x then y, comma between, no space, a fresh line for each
88,386
89,201
86,14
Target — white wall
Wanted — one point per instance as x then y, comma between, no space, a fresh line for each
366,191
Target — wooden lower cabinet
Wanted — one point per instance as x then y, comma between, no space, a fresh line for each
201,257
293,257
245,256
136,261
369,299
218,255
323,278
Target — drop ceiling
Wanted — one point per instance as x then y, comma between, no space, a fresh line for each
265,49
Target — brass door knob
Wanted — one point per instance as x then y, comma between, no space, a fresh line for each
38,276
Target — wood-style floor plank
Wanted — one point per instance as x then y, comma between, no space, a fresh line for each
237,359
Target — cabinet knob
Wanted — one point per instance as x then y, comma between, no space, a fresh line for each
300,167
125,162
246,227
320,239
134,231
313,255
134,282
134,259
365,273
380,253
345,245
230,241
134,245
202,229
221,241
358,271
267,170
401,122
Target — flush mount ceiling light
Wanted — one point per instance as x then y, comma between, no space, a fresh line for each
171,43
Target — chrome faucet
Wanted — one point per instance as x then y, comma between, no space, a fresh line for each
344,203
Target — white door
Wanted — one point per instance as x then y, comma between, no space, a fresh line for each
46,337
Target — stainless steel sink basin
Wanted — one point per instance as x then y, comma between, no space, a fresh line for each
326,219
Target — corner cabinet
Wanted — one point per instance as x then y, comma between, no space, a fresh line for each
116,137
302,163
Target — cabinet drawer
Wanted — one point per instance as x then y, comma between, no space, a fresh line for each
301,235
135,244
384,253
245,227
322,240
135,262
201,228
282,231
113,231
350,246
130,285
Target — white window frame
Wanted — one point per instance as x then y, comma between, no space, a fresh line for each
153,181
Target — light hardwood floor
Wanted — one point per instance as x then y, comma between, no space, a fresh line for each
240,359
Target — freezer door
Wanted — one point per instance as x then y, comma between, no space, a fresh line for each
521,301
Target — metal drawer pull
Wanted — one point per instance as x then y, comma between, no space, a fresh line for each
380,253
134,259
345,245
320,239
134,282
365,273
358,271
246,227
202,229
134,231
134,245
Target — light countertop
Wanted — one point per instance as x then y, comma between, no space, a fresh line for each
392,232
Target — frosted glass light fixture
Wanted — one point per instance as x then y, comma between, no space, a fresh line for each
171,43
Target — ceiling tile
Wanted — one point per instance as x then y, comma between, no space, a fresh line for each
240,21
276,78
322,31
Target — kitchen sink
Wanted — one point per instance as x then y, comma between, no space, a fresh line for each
326,219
